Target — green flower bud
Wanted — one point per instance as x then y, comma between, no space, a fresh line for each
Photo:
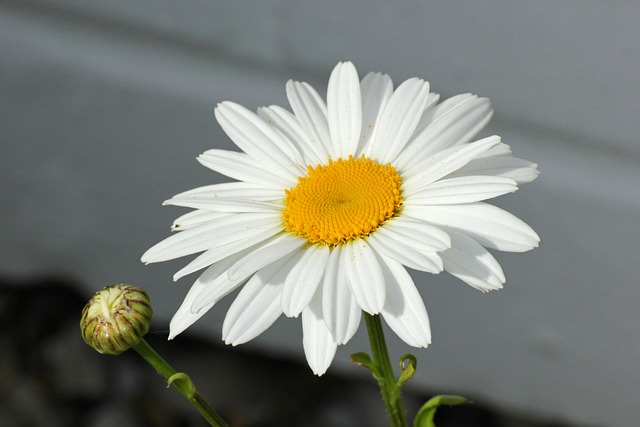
116,318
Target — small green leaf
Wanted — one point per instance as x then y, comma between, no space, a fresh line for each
363,359
425,415
408,365
181,376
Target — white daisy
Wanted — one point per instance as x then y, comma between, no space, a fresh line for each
333,201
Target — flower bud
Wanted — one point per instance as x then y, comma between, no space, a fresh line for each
116,318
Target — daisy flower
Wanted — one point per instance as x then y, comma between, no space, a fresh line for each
332,201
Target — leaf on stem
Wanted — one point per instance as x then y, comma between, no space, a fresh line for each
190,389
408,366
363,359
425,415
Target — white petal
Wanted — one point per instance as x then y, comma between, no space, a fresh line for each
454,122
257,305
277,248
467,189
218,282
303,279
217,289
225,205
213,283
195,218
234,190
444,163
399,251
432,100
340,310
398,120
259,140
212,234
319,346
416,233
521,171
365,275
473,264
311,112
376,89
290,127
242,167
215,254
490,226
501,149
344,109
404,310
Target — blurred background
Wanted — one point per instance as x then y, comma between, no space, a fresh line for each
105,105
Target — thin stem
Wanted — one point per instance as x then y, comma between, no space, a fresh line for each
183,386
385,376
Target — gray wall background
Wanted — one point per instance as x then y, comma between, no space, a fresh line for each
105,105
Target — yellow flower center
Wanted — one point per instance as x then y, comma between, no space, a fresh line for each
342,201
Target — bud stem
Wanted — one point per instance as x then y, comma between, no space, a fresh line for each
183,385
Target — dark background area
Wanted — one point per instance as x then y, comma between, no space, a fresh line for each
50,377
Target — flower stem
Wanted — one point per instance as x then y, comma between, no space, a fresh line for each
181,382
384,372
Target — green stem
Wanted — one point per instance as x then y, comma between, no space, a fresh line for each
385,376
183,386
